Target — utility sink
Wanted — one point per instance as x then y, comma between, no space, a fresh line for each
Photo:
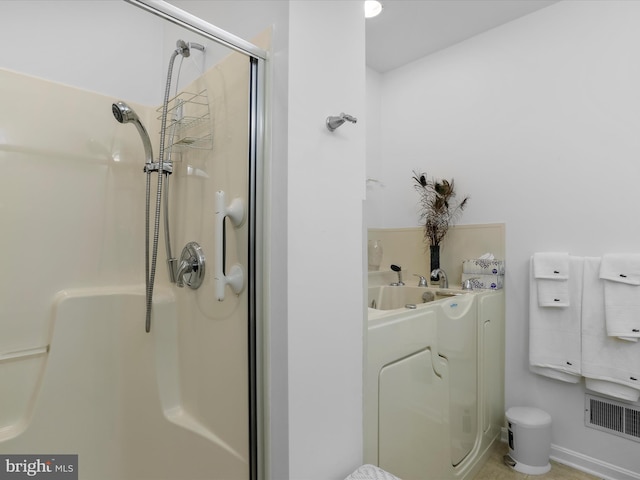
388,297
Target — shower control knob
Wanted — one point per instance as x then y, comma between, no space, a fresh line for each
191,266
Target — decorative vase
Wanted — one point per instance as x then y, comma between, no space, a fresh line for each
434,257
375,255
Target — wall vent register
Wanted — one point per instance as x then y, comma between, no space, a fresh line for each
617,418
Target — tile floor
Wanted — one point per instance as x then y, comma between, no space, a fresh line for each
495,469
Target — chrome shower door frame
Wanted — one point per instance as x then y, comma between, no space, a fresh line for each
256,205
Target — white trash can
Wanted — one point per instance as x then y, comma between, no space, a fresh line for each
529,431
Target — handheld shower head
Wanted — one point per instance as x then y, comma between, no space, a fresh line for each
125,114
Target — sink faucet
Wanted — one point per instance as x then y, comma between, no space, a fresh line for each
440,275
398,270
422,282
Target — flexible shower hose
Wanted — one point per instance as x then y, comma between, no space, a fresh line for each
151,272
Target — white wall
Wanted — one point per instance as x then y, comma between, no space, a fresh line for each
326,187
376,189
538,121
103,46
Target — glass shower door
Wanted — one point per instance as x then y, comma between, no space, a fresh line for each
78,373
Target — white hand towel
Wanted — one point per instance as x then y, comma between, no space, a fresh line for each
609,365
551,272
621,267
551,265
553,293
554,333
621,273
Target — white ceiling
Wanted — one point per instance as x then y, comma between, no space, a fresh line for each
410,29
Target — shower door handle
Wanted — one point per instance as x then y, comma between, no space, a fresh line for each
235,277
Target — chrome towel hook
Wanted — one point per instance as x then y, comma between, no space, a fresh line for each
335,122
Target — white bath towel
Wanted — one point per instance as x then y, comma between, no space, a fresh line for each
554,333
621,273
551,273
610,366
551,265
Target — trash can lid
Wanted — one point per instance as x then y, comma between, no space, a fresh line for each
528,416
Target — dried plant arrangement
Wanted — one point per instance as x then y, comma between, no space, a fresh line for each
438,210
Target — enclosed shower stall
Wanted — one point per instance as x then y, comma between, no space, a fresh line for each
130,201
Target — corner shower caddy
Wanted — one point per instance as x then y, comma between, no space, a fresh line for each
188,122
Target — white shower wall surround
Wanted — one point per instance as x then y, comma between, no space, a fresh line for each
125,392
78,373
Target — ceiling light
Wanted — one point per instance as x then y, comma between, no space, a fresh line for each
372,8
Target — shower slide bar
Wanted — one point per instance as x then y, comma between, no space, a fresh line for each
235,279
26,353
